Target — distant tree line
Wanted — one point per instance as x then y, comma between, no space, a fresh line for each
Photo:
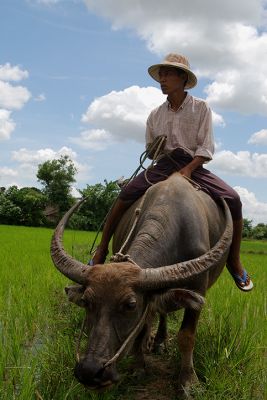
258,232
44,207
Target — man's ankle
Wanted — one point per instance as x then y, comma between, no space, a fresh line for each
100,255
235,267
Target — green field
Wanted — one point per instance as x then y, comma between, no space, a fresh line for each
39,329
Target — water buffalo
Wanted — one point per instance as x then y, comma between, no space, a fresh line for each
176,240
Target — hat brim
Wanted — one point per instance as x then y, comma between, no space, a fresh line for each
191,81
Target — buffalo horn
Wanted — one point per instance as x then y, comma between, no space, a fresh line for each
71,268
171,276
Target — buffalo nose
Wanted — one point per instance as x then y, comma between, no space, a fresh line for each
94,374
86,371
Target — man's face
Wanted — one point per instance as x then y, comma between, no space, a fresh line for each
171,79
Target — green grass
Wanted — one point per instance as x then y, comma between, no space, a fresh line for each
39,328
233,333
254,246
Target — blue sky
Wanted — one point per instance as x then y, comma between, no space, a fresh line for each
73,80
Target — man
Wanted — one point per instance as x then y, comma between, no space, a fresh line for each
186,123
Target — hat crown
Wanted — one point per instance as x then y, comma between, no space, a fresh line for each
177,59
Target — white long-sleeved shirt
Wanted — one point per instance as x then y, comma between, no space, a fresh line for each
189,128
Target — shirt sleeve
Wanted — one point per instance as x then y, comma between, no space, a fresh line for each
205,140
149,131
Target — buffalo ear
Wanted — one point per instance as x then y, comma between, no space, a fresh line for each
176,299
75,294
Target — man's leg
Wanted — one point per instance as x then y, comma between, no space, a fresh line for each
234,264
218,188
114,216
129,194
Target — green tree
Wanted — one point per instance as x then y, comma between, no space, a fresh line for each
23,206
260,231
247,228
100,199
32,204
57,176
10,214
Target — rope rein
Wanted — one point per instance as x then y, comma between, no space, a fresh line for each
129,338
119,256
155,149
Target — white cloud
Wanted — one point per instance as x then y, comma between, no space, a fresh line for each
25,156
13,97
259,138
242,163
12,73
40,97
74,192
118,11
95,139
225,42
122,114
7,172
217,119
7,125
30,159
253,209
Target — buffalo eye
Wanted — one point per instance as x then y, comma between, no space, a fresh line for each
87,303
130,304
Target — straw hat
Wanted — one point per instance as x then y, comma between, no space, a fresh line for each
176,61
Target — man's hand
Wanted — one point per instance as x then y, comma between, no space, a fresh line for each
186,171
189,168
156,146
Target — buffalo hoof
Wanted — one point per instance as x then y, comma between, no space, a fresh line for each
186,382
140,374
159,348
138,369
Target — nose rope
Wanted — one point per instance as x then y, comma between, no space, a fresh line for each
124,344
128,339
79,340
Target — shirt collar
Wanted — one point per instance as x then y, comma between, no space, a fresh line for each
186,100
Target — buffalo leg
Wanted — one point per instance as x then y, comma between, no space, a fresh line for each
161,335
138,350
186,341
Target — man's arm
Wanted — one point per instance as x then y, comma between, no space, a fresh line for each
195,163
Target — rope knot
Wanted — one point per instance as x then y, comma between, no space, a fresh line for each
120,257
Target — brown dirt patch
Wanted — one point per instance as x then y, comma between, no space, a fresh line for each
158,382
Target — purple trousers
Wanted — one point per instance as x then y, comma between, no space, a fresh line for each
208,182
